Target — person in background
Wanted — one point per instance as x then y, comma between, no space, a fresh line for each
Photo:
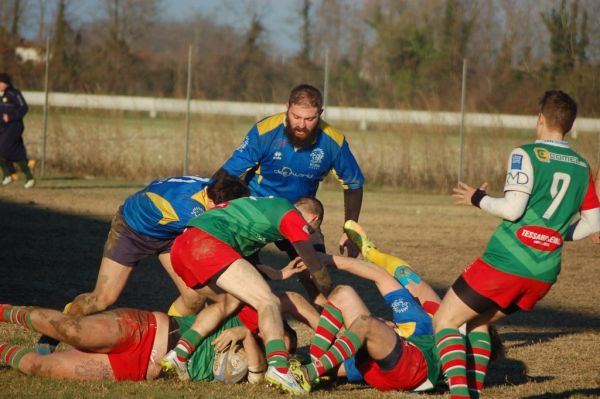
12,148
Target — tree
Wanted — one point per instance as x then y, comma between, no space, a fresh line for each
567,45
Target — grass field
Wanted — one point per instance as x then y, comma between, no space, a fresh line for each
51,245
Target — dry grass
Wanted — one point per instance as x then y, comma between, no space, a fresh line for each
133,146
52,241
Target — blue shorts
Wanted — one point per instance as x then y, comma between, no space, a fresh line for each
128,247
405,309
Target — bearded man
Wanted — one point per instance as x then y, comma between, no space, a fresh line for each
288,154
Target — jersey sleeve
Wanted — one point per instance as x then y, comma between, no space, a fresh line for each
246,156
346,169
293,227
590,201
519,174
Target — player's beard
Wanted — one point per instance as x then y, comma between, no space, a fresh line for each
301,142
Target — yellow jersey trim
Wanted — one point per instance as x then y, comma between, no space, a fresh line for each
332,132
202,197
270,123
344,186
168,213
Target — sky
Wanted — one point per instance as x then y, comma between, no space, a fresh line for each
279,16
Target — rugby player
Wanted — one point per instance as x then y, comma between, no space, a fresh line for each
146,224
209,257
288,154
547,184
121,344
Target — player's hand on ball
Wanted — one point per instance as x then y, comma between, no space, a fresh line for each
228,338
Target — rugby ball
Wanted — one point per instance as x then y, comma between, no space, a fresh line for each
230,367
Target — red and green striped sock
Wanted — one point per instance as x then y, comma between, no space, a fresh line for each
16,315
187,344
12,355
479,349
330,323
277,355
453,355
343,348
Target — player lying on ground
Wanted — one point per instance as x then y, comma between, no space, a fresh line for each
121,344
146,225
209,257
398,355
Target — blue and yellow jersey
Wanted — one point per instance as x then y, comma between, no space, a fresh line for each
273,166
164,207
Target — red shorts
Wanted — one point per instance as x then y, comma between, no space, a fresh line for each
197,256
130,356
504,289
409,372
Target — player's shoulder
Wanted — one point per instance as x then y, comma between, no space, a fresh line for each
332,133
270,123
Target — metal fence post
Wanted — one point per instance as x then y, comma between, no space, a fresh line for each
326,83
187,114
45,128
462,118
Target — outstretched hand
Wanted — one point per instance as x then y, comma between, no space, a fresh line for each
463,193
295,266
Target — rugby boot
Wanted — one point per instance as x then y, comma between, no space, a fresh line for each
300,374
171,363
357,234
285,382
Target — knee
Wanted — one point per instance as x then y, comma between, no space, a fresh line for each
341,295
267,302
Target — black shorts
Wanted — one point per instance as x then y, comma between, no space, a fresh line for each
127,247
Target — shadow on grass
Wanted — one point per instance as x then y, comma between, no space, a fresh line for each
591,392
48,257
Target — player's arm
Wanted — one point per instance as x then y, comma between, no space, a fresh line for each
350,177
244,158
288,271
294,228
589,222
257,364
596,236
517,189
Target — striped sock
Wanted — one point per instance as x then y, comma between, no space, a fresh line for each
479,349
12,355
452,352
187,344
330,323
277,355
343,348
16,315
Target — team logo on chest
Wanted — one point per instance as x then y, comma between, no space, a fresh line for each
316,157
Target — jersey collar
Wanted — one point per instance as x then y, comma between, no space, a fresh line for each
557,143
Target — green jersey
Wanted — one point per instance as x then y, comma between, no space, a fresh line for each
200,364
248,224
557,180
426,344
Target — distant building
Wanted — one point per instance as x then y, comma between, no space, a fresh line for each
27,51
